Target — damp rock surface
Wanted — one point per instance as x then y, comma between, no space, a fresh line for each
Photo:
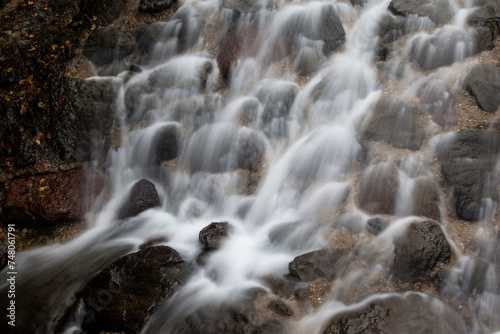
378,186
214,234
419,249
439,11
143,196
323,263
483,82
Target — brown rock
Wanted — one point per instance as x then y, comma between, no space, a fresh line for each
378,186
51,198
426,198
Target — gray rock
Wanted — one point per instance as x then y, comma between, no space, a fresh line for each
394,121
390,29
107,45
377,225
394,68
411,312
419,249
439,11
483,82
324,263
378,185
352,221
426,198
242,6
214,234
168,143
467,165
123,295
106,11
143,196
296,235
309,61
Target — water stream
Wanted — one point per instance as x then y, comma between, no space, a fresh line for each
272,149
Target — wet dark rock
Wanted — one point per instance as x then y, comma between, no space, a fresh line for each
324,263
483,82
270,327
277,97
168,142
139,97
106,11
426,198
197,110
352,221
378,186
309,61
143,196
449,45
83,116
377,225
237,148
328,28
155,6
486,10
279,307
296,235
411,312
438,99
419,249
439,11
123,295
214,234
107,45
394,121
467,165
50,198
358,3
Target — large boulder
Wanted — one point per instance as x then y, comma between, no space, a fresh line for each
439,11
419,249
324,263
395,121
390,29
467,165
107,45
143,196
309,61
426,198
378,185
483,82
123,295
449,45
50,198
411,312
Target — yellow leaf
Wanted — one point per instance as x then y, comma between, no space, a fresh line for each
30,78
42,188
94,18
54,46
31,36
37,141
32,49
10,69
42,181
68,75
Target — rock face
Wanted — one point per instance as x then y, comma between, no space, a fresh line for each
390,29
154,6
123,295
377,225
143,196
323,263
214,234
439,11
483,82
83,117
168,143
426,198
467,165
395,122
296,235
242,6
52,198
399,313
309,60
107,45
419,249
378,186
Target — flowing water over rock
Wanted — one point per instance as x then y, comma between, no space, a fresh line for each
301,176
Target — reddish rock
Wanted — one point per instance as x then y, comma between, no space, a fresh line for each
51,198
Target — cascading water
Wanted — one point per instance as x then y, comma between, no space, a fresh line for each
283,159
